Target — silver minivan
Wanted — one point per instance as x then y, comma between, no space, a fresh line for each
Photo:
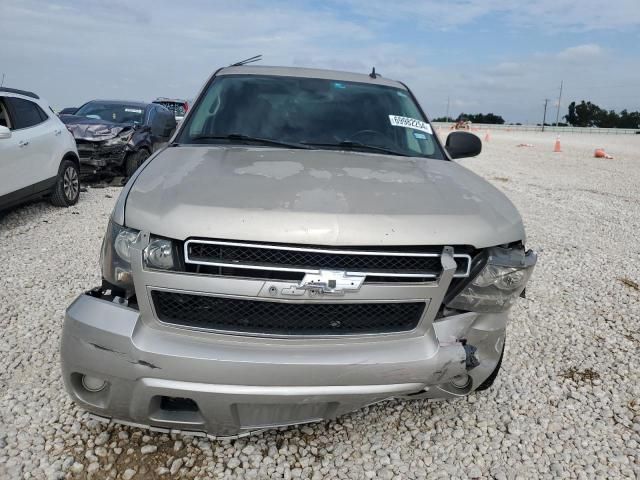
303,247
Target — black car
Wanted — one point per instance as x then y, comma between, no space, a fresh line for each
115,137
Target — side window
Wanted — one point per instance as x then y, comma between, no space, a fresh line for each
43,114
151,116
4,114
154,121
25,114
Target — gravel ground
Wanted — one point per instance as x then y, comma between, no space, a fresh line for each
566,404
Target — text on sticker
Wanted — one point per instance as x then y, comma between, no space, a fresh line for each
408,122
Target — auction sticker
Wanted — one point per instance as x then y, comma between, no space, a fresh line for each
133,110
408,122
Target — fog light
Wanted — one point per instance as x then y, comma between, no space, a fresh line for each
93,384
461,381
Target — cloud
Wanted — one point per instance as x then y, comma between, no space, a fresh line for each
548,15
71,51
506,69
581,52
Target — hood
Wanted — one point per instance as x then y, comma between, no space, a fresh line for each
91,129
317,197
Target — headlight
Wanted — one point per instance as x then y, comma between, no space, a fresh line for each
160,254
115,257
121,139
499,283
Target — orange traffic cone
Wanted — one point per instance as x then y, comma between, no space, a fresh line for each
487,137
600,153
556,147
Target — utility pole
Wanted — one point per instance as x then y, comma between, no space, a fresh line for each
544,116
559,98
447,115
2,82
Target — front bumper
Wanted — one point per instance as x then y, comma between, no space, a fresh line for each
96,157
239,384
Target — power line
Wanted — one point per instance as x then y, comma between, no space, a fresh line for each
447,115
559,99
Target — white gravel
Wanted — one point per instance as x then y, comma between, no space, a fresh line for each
567,403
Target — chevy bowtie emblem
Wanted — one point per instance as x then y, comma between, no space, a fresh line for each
333,282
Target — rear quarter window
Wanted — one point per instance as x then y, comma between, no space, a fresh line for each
25,114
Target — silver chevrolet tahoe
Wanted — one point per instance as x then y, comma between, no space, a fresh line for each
303,247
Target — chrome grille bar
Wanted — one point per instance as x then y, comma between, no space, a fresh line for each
316,269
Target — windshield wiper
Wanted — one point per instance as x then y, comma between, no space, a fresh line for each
248,138
348,144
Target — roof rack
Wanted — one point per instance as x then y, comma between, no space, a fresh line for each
255,58
19,92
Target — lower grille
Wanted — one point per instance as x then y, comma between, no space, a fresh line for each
279,318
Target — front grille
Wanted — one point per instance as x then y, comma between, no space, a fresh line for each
280,318
272,261
98,151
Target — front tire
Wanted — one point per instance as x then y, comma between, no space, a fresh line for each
134,160
67,188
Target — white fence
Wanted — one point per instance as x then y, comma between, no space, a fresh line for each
538,128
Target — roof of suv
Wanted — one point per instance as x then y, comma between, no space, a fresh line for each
310,73
164,99
24,93
121,102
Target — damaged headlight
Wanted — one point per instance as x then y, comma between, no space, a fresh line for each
497,286
115,256
121,139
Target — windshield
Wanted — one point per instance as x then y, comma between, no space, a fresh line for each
113,112
312,112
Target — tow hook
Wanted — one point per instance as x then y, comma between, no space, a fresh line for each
471,360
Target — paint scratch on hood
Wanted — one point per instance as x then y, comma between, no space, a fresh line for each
320,174
383,175
275,170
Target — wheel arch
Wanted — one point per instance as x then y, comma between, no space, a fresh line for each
71,156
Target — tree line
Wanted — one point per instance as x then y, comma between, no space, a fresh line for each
474,118
583,114
587,114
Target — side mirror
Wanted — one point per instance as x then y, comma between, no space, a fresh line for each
4,132
463,144
170,126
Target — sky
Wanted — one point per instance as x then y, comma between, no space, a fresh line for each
499,56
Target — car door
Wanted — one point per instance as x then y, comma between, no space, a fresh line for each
35,135
11,155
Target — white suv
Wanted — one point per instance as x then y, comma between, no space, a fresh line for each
38,155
